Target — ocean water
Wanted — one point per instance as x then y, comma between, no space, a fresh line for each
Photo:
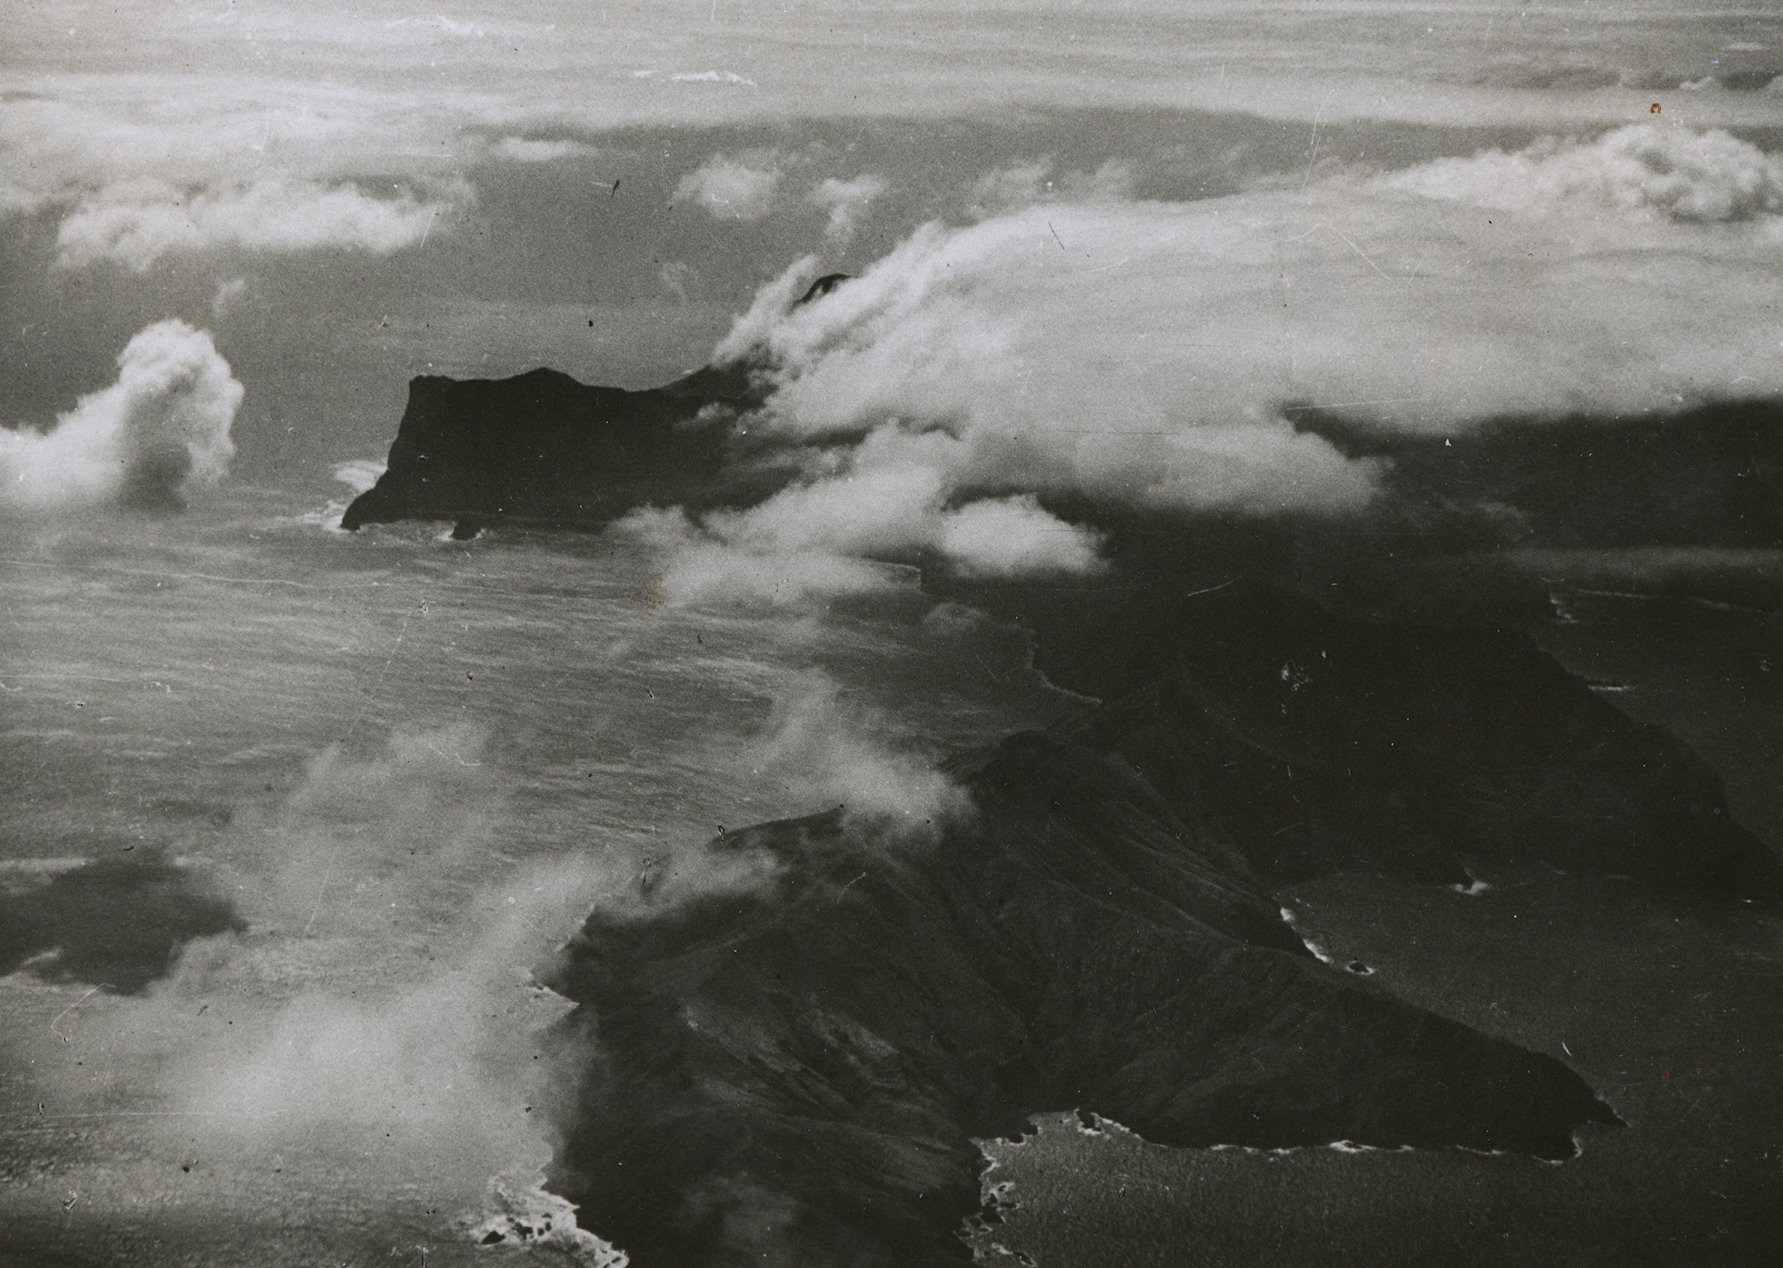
371,780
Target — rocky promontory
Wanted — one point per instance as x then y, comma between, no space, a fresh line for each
542,450
1323,742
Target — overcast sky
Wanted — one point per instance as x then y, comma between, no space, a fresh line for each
1174,217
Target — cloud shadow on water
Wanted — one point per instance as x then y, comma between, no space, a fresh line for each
118,923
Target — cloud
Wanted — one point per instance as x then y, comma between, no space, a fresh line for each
1021,367
522,150
824,751
136,223
880,508
1007,188
1013,537
88,138
447,1064
1707,177
678,278
740,188
163,426
895,498
227,295
336,92
847,201
1151,355
898,497
1020,185
423,793
703,568
378,1000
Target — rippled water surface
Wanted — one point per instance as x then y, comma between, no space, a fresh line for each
286,816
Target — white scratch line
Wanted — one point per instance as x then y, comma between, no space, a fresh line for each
453,756
59,1016
1358,250
1210,589
1313,158
326,873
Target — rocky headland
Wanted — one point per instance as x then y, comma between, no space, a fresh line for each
543,451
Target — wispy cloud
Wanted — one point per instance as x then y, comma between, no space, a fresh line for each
522,150
137,223
848,202
1039,181
741,187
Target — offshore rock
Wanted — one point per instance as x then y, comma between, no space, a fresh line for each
542,450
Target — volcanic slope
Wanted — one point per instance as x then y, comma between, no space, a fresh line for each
799,1073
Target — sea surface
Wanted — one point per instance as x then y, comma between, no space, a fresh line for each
372,780
401,768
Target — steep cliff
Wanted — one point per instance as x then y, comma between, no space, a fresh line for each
544,451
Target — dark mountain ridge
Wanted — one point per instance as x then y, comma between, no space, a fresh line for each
797,1076
795,1072
1324,742
1710,475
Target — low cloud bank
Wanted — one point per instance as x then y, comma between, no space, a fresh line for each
893,500
836,536
1152,356
162,428
1706,177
